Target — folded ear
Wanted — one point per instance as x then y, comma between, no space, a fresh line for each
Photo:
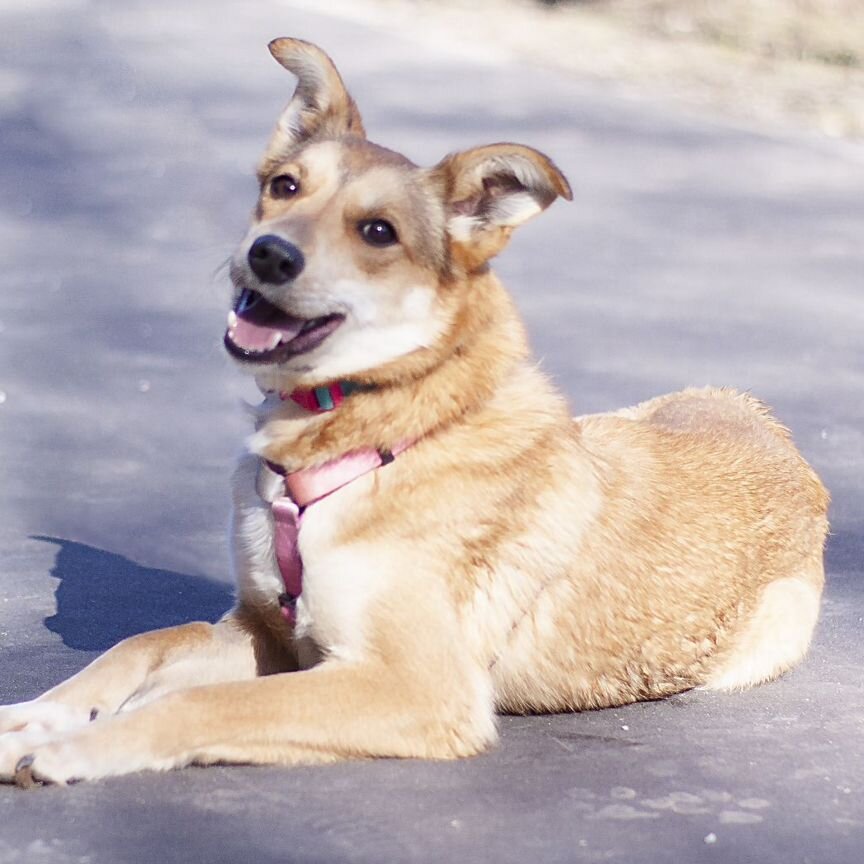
320,107
491,190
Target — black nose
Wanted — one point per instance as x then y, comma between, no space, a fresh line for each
275,260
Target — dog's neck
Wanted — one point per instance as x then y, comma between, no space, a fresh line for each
318,399
410,398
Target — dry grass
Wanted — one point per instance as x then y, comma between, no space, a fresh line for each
827,32
793,63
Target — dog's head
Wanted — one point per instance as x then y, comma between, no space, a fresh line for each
356,257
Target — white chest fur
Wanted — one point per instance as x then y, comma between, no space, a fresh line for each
340,580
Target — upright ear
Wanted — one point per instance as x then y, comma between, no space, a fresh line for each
320,107
491,190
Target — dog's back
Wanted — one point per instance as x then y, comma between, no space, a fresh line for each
702,566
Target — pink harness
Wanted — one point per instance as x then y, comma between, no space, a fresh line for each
307,486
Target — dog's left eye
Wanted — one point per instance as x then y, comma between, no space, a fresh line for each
284,186
378,232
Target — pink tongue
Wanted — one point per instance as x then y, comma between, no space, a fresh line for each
261,337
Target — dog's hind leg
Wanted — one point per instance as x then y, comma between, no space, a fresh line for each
775,637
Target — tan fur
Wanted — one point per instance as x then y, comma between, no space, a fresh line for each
512,559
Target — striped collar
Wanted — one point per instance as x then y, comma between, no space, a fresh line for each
321,399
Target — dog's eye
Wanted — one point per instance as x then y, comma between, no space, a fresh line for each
284,186
378,232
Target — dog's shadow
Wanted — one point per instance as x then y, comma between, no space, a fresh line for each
103,598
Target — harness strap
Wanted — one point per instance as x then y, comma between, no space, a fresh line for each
304,488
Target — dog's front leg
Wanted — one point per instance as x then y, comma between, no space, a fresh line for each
135,670
148,665
335,711
412,691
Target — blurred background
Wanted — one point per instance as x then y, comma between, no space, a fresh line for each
715,150
794,63
716,236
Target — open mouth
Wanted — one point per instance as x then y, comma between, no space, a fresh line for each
259,332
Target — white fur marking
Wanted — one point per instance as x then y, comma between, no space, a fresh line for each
340,583
513,210
776,637
376,330
508,211
462,227
255,569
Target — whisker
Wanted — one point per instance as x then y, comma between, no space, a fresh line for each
221,269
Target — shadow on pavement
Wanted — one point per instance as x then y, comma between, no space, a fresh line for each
103,597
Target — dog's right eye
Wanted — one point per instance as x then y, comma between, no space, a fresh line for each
284,186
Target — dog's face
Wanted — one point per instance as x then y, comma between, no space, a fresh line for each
340,270
355,254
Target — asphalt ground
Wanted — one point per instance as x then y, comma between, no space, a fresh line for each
695,252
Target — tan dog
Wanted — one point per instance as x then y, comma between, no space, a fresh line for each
491,553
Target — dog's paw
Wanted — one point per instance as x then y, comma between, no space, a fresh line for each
39,716
14,746
52,762
105,749
47,742
30,759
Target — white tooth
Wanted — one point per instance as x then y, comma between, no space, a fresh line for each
277,338
232,320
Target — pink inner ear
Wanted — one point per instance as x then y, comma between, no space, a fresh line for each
494,186
467,206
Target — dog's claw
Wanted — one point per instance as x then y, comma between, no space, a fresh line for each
24,778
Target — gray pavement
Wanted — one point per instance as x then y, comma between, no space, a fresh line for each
694,253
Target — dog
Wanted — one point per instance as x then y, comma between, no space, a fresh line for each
422,535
